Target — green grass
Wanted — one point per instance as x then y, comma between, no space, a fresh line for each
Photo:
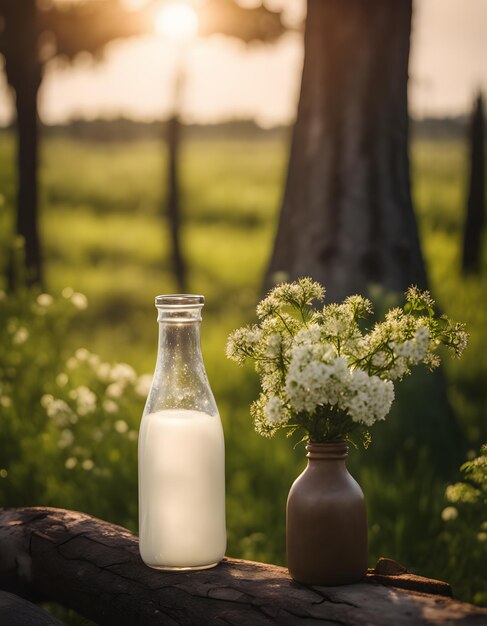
104,236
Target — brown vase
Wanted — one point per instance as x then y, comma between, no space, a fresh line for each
326,521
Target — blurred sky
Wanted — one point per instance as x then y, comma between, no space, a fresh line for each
227,79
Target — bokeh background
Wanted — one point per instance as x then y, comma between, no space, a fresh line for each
163,134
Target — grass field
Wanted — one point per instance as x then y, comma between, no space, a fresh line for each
104,236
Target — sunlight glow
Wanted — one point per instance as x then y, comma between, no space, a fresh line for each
178,21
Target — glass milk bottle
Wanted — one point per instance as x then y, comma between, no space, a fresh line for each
181,449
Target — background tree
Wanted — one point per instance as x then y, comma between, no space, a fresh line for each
31,36
218,16
475,213
18,44
347,218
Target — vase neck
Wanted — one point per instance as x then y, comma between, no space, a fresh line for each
334,450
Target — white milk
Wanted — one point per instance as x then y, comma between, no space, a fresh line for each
181,489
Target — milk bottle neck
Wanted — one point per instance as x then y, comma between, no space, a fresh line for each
180,380
179,345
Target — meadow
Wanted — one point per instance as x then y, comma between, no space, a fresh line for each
105,236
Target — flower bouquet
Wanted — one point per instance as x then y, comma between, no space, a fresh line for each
324,374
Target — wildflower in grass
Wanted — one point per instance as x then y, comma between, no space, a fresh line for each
80,301
71,463
103,371
110,406
121,426
85,399
115,390
122,373
66,438
321,372
21,335
5,402
143,385
44,300
59,412
82,354
449,513
62,379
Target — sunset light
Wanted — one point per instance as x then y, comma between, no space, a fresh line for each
178,21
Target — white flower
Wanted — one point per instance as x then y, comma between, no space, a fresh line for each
62,379
88,465
274,412
143,385
121,426
122,372
243,343
273,347
79,300
67,292
71,463
110,406
368,398
115,390
449,513
46,400
312,360
44,300
21,336
82,354
86,399
59,412
72,363
103,371
316,375
6,402
66,438
94,361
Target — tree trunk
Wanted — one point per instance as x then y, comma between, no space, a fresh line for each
27,224
94,568
347,218
173,204
475,218
24,74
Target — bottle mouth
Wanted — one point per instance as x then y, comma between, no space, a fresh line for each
180,300
337,449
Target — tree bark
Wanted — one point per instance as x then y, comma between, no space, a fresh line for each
24,74
94,568
347,218
475,216
173,202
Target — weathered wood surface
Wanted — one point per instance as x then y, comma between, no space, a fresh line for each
94,567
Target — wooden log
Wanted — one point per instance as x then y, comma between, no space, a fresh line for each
15,611
94,567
